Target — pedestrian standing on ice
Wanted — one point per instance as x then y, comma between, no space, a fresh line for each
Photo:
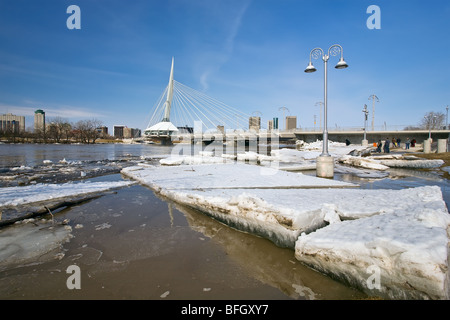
379,144
407,144
398,142
386,146
413,143
394,143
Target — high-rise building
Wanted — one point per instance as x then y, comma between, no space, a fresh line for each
221,129
275,123
118,132
129,133
39,120
254,123
291,122
123,132
103,131
12,123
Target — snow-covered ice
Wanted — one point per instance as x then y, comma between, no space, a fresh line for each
332,226
416,164
9,196
225,176
199,159
394,161
365,162
35,241
407,246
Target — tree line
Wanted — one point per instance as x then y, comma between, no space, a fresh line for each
59,130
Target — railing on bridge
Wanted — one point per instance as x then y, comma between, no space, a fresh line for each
390,128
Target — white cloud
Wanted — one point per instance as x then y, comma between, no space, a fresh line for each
227,48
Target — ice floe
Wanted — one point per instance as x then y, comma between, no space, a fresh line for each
15,196
32,242
333,227
225,176
407,247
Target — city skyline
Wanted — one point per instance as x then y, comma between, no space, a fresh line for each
249,55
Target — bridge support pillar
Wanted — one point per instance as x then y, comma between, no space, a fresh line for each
442,145
325,167
427,146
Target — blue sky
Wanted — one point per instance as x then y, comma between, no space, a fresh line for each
248,54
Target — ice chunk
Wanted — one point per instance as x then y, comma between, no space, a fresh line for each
32,241
14,196
409,247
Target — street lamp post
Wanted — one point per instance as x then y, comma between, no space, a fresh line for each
427,143
320,104
325,163
446,119
284,119
374,98
366,113
431,121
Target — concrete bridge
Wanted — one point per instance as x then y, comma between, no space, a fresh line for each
209,113
355,137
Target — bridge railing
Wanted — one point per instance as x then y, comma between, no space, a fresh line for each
361,128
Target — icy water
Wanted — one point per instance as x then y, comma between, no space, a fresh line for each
131,244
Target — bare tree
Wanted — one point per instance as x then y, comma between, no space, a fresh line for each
94,133
67,134
54,131
40,135
433,120
86,130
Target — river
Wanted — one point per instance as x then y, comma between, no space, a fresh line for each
133,244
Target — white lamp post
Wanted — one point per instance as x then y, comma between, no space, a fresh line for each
325,163
366,113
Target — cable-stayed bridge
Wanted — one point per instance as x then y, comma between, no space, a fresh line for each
182,111
187,115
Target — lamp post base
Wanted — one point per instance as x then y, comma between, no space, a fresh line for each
365,143
325,167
